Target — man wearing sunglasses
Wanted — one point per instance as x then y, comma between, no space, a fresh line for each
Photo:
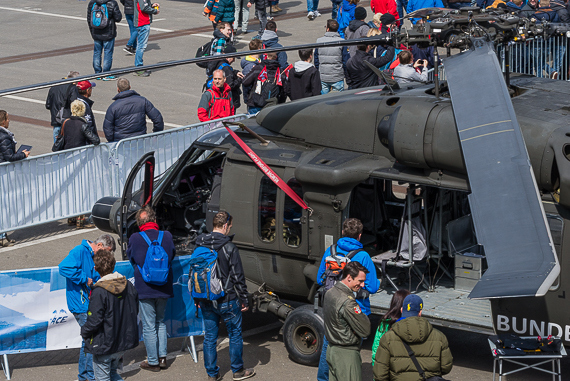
79,270
229,308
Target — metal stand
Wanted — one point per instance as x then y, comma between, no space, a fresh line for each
6,367
191,349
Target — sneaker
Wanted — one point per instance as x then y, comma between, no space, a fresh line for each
554,75
317,13
129,49
311,16
278,8
6,242
244,374
217,377
146,366
71,221
110,78
142,73
269,18
162,363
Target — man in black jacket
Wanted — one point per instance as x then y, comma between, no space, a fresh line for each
359,75
111,327
101,18
263,81
126,117
303,80
230,306
85,89
59,100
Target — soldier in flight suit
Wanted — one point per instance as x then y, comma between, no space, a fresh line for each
345,325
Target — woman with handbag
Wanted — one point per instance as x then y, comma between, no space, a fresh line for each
75,132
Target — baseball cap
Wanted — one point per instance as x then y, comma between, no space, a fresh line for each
412,306
84,85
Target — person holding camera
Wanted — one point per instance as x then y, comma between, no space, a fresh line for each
407,72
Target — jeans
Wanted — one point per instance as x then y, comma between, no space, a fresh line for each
401,5
332,86
335,6
98,48
142,41
323,372
133,29
230,312
312,5
253,110
105,367
262,16
151,313
241,7
85,367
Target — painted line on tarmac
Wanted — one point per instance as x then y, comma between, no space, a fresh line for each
70,17
44,240
17,98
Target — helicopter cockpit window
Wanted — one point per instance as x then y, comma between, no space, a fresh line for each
292,212
267,203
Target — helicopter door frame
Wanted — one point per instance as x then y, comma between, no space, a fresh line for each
303,247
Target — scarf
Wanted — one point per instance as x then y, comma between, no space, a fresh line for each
149,226
10,134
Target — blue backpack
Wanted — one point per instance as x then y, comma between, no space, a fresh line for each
205,278
210,80
155,268
99,16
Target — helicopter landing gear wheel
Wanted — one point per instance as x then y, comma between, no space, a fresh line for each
303,334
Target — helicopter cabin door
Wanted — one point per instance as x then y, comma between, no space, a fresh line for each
281,222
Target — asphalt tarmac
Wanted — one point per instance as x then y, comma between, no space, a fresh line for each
41,41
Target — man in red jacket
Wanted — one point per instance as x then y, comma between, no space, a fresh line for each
216,102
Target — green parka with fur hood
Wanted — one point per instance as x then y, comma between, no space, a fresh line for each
429,345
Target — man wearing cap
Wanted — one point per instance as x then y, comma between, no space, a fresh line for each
429,345
357,28
59,100
85,89
345,324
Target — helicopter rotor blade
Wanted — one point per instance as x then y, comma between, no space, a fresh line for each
505,202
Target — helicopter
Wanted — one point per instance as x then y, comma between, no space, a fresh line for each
482,163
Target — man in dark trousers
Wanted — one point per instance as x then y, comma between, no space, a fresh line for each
303,80
129,10
111,327
429,345
85,89
58,102
229,308
152,297
345,325
101,18
126,116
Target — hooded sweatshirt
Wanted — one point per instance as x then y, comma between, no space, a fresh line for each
343,247
303,81
271,40
229,263
356,29
247,64
111,325
430,347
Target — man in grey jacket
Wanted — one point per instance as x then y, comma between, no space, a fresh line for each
331,61
357,28
405,72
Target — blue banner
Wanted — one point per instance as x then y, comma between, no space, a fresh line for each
34,314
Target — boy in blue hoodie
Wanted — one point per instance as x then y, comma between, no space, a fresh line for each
351,233
79,270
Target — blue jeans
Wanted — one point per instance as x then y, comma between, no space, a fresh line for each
401,5
98,48
105,366
312,5
332,86
335,6
85,367
253,110
133,29
56,130
151,313
142,41
323,372
230,312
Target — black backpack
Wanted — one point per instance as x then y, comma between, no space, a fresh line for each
99,16
204,51
269,92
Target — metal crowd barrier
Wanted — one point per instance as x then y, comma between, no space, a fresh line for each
65,184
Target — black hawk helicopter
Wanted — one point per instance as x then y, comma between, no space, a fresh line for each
484,167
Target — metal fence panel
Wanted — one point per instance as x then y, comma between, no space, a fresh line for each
538,57
53,186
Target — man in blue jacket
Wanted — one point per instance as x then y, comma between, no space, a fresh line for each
79,270
152,297
351,233
126,116
271,40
